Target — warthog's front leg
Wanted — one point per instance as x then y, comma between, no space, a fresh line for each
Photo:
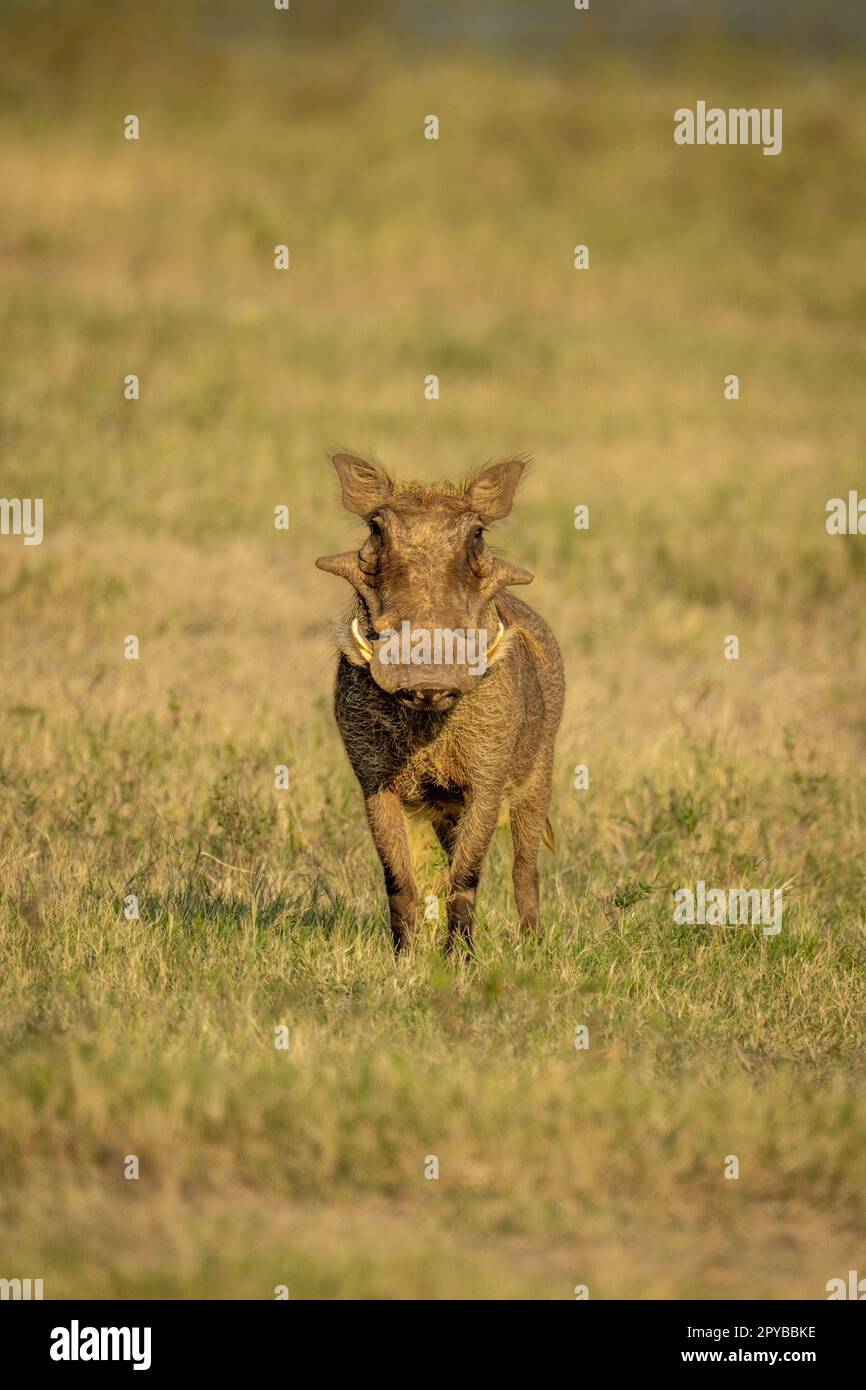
528,827
527,830
388,828
471,843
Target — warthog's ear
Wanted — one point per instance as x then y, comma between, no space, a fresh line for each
491,491
365,486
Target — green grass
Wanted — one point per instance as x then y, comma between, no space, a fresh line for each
155,1037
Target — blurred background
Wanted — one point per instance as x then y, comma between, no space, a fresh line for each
411,257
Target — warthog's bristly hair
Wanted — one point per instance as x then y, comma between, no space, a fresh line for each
411,493
452,742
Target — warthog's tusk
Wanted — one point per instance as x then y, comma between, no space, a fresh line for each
361,642
497,639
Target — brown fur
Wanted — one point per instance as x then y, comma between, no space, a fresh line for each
483,742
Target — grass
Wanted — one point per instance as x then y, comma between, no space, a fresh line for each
258,908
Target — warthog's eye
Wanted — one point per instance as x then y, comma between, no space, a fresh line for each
478,555
368,555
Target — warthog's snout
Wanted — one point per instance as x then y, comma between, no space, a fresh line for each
425,682
426,667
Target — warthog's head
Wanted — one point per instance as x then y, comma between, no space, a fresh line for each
426,624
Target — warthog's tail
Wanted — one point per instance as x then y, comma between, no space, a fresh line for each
549,838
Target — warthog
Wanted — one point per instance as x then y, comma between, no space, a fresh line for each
449,690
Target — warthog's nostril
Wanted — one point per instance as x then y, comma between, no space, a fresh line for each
427,699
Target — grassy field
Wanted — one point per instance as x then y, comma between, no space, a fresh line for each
258,908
